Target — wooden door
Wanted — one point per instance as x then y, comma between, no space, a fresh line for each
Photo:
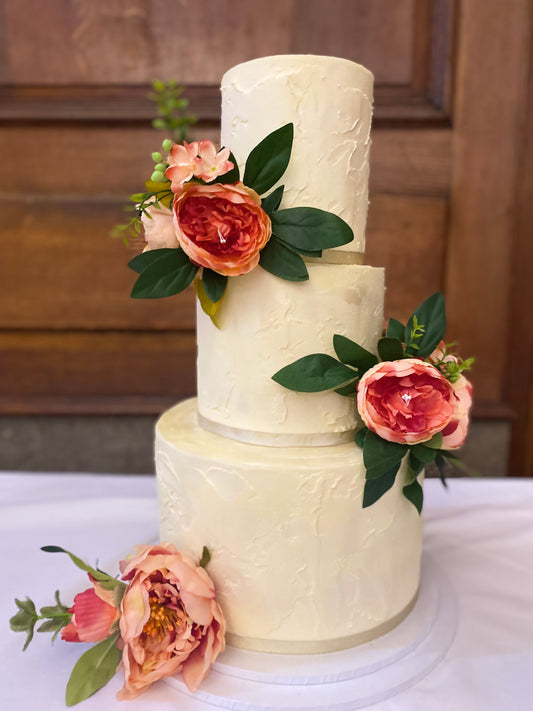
451,182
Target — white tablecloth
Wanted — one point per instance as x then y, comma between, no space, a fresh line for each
480,531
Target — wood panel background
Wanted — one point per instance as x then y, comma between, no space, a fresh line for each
450,182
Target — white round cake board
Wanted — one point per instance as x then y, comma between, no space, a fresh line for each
339,681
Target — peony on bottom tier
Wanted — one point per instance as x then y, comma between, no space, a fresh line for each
299,566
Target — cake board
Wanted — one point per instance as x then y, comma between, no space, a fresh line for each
355,678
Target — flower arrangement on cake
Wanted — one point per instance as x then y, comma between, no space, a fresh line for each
414,402
203,222
160,618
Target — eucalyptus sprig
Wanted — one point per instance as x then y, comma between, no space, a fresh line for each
55,616
451,365
172,109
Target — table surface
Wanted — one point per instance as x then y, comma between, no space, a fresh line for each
479,530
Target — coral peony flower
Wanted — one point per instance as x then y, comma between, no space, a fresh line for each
181,163
170,620
405,401
93,614
159,231
221,227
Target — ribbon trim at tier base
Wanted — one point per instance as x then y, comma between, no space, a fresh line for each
320,646
274,439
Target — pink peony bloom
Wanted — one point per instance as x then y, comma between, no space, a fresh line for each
405,401
211,164
182,162
170,620
454,434
159,231
93,614
221,227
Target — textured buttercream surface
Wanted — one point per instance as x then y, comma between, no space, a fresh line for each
329,101
294,554
267,323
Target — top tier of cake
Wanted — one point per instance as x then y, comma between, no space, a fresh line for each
329,101
267,322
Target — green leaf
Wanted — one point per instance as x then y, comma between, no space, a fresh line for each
146,259
54,625
390,348
375,488
348,390
440,461
378,472
208,306
432,316
395,329
232,176
214,284
360,437
298,250
165,277
107,581
414,493
93,670
380,455
416,466
269,160
24,620
423,453
314,373
271,202
206,557
353,354
311,228
282,262
435,442
52,610
27,606
20,622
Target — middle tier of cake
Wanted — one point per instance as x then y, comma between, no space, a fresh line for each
267,323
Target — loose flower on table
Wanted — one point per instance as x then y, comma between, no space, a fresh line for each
160,619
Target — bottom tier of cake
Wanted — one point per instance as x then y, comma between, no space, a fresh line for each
299,566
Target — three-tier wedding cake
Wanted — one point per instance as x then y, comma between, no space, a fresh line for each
271,480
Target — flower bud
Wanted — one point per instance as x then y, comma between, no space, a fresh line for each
161,167
157,176
157,157
167,144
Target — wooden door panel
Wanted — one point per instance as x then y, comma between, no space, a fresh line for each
60,269
446,180
95,372
101,163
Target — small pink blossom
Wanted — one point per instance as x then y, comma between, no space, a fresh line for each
405,401
199,159
170,620
182,163
211,164
93,614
